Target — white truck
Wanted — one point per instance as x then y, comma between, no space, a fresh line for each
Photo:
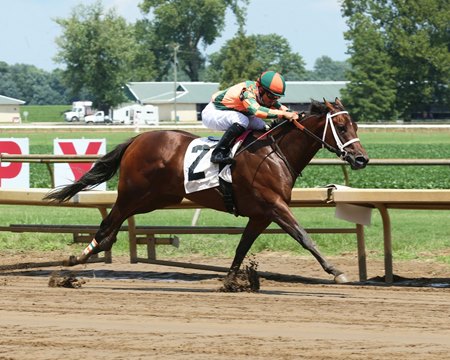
136,115
80,109
98,117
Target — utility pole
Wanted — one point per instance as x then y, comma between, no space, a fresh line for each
175,50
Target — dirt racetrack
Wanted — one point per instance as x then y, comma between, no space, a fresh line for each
141,311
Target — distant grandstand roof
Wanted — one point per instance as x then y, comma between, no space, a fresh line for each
5,100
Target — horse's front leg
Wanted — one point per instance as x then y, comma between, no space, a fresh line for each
286,220
253,229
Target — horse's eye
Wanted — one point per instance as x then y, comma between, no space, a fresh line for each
342,128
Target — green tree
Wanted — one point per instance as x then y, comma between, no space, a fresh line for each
153,59
416,40
187,24
326,68
97,48
33,85
239,61
3,67
419,43
245,57
371,93
274,52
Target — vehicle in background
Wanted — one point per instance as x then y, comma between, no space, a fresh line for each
98,117
136,115
80,109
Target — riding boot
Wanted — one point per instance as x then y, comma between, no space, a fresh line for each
221,153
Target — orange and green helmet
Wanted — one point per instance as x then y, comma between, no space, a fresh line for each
272,82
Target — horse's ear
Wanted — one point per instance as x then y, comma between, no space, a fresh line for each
338,102
328,105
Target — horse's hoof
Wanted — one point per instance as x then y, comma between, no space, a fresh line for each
340,279
71,261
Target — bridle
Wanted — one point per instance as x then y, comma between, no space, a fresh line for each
341,146
340,150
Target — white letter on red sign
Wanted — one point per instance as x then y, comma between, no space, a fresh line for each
14,175
67,173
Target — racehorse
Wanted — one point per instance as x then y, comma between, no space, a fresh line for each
151,177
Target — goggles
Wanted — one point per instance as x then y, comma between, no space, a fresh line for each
271,96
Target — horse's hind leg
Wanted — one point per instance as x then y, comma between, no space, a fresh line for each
125,206
103,239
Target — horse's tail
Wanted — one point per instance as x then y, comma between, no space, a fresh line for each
104,169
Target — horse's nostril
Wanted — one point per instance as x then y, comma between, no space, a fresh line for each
362,160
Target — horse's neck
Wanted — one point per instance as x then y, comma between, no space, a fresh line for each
298,147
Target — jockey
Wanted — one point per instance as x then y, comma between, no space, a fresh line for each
245,106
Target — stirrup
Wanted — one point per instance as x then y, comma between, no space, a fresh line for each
221,158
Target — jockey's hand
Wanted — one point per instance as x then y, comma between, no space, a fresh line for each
291,115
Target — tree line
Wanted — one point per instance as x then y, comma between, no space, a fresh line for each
399,61
399,56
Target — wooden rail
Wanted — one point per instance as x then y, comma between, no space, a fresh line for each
50,159
45,158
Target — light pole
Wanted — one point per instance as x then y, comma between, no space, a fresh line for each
175,49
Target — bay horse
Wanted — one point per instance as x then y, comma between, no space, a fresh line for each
151,177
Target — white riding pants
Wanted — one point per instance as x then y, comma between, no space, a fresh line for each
223,119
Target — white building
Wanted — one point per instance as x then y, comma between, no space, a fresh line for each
190,98
10,109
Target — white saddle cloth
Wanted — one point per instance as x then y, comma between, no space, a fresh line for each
199,172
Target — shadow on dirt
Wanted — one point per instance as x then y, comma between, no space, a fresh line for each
193,277
411,282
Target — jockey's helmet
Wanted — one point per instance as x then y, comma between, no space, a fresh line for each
272,82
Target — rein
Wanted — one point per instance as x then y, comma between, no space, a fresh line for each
261,137
339,151
315,137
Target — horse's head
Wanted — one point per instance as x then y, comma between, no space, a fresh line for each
340,134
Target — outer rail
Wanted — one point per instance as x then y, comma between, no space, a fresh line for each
50,159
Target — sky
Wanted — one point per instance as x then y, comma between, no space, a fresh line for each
313,28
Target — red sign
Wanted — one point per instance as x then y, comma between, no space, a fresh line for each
78,169
70,172
17,171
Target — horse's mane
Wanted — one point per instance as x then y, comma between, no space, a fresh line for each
316,108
